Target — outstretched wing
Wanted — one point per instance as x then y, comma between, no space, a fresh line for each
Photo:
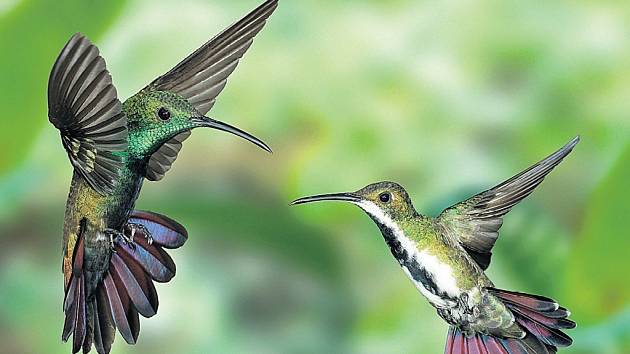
475,222
83,105
202,75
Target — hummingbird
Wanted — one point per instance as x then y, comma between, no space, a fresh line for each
446,258
112,253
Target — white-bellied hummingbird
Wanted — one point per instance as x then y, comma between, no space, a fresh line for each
446,258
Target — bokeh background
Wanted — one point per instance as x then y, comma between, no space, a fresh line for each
445,97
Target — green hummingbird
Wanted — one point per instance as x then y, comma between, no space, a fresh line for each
112,253
446,258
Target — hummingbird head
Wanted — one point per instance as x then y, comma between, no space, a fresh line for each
381,200
154,117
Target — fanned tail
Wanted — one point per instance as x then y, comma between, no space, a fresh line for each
127,289
459,343
540,317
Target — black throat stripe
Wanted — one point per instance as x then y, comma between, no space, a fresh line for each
417,272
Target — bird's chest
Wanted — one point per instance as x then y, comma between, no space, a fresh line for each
120,204
434,278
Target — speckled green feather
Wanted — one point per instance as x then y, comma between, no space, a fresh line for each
147,132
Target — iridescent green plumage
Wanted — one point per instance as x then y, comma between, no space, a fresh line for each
445,257
113,147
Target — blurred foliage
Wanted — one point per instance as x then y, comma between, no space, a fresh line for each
33,32
607,295
447,98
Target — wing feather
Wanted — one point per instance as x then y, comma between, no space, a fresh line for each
83,105
475,222
202,75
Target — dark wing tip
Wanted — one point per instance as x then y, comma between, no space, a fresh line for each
571,144
79,36
202,75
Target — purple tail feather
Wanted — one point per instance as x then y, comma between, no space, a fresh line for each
540,317
127,289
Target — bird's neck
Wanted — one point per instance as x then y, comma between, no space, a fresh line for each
400,243
133,162
410,242
393,229
140,145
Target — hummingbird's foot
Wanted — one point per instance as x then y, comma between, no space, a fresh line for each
112,245
135,227
128,240
117,236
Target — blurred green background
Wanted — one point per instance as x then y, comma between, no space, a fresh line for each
446,98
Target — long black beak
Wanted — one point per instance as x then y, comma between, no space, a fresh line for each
215,124
346,197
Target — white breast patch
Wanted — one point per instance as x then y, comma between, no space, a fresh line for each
441,273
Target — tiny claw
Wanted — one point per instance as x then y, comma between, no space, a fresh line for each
127,240
130,243
147,234
111,243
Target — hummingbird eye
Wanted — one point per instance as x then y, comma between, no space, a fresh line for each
164,114
385,197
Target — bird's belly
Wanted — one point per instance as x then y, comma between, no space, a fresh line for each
120,204
435,280
96,259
